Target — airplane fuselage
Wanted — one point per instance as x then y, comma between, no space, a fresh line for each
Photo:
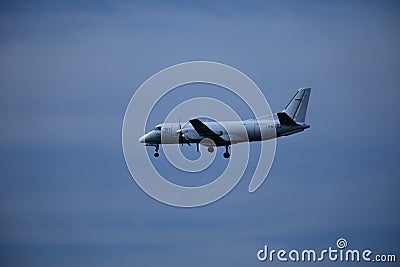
232,132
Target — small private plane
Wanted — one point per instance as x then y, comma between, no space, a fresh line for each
211,133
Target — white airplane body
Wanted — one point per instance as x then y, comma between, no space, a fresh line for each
212,133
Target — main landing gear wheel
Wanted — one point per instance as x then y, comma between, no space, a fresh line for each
156,153
226,154
210,149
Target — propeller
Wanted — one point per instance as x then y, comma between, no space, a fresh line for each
182,139
180,132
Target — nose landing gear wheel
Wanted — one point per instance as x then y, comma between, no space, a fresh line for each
210,149
156,153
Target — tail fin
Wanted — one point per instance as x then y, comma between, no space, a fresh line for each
297,107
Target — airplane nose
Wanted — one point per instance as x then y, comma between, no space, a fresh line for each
141,139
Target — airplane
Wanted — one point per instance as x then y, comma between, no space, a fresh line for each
211,133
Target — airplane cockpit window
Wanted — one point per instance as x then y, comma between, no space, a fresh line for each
158,128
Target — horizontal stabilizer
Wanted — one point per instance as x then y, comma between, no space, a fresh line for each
285,120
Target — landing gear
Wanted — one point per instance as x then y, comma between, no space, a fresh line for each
156,153
210,149
226,154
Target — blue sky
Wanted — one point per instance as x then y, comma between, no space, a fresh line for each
69,69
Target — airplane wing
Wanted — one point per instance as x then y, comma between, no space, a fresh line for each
206,132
